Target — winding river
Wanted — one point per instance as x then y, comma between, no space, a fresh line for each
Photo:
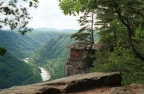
44,73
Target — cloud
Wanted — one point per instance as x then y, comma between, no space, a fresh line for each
49,15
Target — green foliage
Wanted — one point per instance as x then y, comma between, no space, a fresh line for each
66,5
139,34
2,51
120,60
88,59
16,72
73,7
81,37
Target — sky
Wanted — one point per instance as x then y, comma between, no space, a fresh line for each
49,15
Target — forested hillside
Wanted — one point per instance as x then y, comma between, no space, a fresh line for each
53,55
15,72
22,46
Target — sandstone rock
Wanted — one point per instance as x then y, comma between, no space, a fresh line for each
68,84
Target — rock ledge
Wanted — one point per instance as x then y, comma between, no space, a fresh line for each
68,84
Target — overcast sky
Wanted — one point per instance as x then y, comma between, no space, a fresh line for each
49,15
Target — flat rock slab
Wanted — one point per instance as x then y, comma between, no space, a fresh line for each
68,84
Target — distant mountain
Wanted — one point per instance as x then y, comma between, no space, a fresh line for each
15,72
45,29
55,30
69,30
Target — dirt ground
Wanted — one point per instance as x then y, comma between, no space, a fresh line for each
134,89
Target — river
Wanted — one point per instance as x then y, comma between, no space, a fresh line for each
44,73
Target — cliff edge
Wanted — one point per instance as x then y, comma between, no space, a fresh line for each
88,83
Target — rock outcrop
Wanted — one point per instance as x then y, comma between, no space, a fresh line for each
68,84
77,50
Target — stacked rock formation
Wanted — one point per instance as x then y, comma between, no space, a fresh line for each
77,51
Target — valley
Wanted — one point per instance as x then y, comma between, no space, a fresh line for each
45,51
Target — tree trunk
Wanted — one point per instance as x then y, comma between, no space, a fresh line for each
92,30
